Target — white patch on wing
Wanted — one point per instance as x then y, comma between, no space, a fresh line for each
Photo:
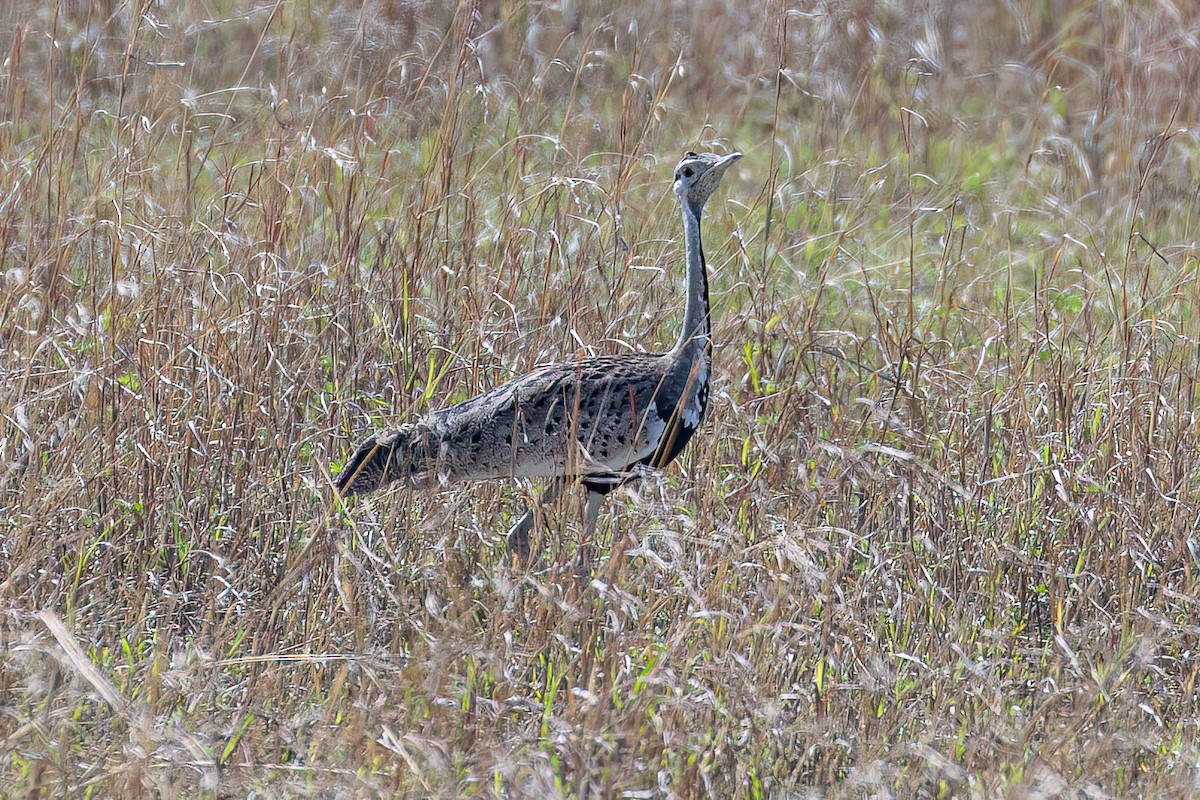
650,429
654,426
540,469
692,409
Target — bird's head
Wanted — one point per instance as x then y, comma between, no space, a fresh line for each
698,175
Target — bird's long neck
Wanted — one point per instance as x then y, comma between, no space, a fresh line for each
695,337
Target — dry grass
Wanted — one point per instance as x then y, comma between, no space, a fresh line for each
938,538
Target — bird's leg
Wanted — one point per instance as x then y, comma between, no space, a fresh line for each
591,510
518,535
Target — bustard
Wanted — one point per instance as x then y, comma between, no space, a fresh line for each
598,421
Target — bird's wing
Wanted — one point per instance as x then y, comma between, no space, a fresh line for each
595,417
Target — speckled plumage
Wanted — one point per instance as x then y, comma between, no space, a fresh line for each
593,419
596,421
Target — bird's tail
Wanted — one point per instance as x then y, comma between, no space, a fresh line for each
380,460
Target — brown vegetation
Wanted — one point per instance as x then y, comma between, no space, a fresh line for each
938,538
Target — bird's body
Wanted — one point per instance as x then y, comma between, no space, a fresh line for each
592,419
597,421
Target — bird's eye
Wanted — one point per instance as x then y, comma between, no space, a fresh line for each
687,172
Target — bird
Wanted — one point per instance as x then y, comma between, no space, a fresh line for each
599,422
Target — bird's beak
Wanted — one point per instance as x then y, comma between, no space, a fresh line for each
724,163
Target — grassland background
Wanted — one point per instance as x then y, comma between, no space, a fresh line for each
938,539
